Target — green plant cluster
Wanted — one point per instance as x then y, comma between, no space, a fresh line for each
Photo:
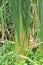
25,14
7,56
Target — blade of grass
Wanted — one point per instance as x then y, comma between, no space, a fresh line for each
15,16
41,22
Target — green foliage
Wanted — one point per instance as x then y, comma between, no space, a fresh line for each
7,57
23,13
6,54
41,18
1,2
41,22
36,57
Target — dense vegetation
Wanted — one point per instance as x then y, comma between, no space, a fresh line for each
21,32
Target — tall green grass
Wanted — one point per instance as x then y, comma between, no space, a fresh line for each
22,17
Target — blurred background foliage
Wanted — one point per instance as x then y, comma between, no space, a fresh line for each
1,2
21,32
